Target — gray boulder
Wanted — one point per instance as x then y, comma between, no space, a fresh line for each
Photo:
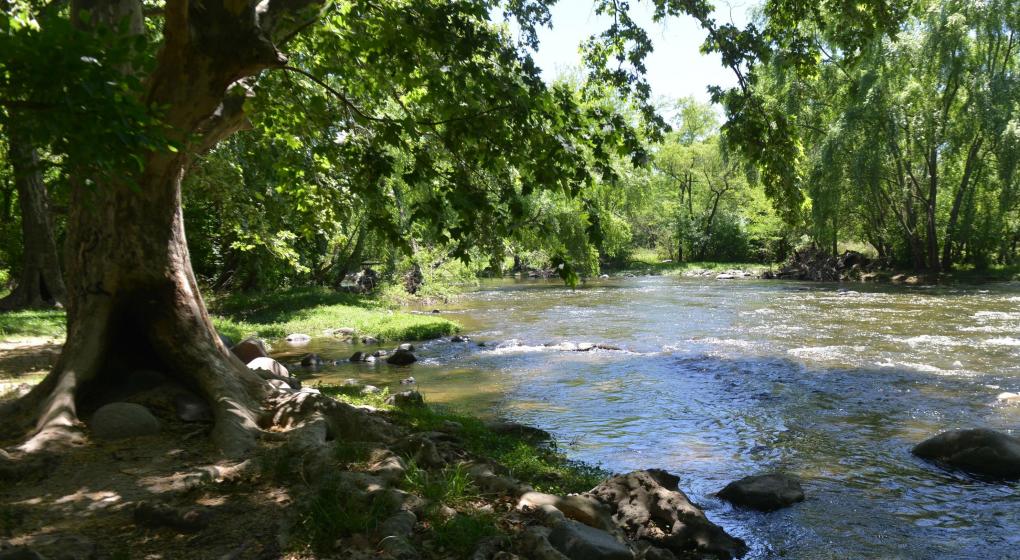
268,364
979,451
369,340
312,360
581,542
402,358
406,347
649,505
406,399
121,420
299,338
765,492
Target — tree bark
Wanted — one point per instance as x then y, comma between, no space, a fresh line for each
961,192
40,283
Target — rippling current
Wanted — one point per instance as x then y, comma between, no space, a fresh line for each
721,379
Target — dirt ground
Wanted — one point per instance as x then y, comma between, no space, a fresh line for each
26,360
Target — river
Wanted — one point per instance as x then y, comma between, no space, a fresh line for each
722,379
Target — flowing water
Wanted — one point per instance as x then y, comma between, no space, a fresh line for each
721,379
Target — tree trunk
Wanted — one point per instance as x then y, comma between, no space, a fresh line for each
930,211
40,283
132,296
961,191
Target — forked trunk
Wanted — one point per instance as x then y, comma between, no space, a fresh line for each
40,283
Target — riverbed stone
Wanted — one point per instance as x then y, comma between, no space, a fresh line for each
122,420
249,349
649,505
402,358
298,338
406,347
979,451
312,360
369,340
764,492
460,338
581,542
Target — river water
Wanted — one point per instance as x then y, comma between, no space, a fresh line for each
723,379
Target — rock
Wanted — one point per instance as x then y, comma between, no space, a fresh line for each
725,276
435,312
405,347
351,383
312,360
65,546
603,277
581,508
518,430
249,349
279,384
121,420
460,338
980,451
359,357
387,466
408,381
533,544
268,364
192,408
225,340
402,358
156,516
344,331
581,542
400,524
370,390
1008,398
406,399
379,353
293,382
369,340
648,505
765,492
298,338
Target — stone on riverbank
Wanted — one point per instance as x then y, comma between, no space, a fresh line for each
312,360
648,505
121,420
249,349
268,364
581,542
980,451
406,399
765,492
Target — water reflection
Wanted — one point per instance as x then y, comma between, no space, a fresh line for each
716,380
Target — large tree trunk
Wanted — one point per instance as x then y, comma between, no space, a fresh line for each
40,283
132,296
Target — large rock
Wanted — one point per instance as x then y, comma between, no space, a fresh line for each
299,338
581,542
249,349
121,420
764,492
312,360
979,451
406,399
268,364
402,358
648,505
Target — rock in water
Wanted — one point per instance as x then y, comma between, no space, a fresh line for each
460,338
979,451
312,360
121,420
249,349
369,340
765,492
648,505
581,542
268,364
405,347
402,358
298,338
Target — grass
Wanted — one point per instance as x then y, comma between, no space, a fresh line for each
307,310
313,310
461,533
451,486
644,261
541,465
336,510
33,322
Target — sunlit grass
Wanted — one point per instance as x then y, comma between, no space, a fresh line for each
33,322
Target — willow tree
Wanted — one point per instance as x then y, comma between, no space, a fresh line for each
169,82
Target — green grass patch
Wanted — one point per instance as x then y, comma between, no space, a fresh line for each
353,396
461,534
541,465
649,262
33,322
450,486
337,510
313,310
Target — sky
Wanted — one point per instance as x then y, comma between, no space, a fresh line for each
676,68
